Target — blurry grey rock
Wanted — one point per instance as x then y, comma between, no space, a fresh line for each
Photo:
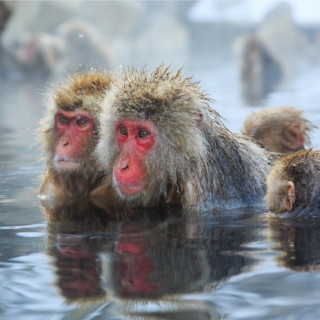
283,38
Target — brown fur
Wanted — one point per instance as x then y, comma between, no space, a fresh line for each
195,158
303,169
81,91
279,129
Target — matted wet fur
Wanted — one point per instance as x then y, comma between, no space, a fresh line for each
196,161
279,129
303,169
81,91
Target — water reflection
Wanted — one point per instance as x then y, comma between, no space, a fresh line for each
144,255
298,241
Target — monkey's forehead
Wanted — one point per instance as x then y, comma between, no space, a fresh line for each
71,102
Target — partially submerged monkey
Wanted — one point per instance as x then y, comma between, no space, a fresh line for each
164,142
293,184
280,129
69,134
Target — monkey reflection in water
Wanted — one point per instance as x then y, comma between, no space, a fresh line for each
148,255
298,243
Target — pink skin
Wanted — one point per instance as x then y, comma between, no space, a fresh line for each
73,129
134,139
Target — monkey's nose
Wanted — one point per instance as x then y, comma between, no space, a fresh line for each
65,143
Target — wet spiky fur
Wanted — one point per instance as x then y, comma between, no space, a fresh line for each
271,126
81,91
303,169
196,159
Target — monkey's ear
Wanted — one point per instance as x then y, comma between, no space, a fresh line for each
296,139
290,195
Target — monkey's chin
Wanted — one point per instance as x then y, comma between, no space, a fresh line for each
129,191
67,165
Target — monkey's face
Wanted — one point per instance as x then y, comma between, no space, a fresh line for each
135,139
74,130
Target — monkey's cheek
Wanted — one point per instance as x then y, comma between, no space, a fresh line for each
64,165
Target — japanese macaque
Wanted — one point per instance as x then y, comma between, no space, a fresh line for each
259,70
293,184
164,143
69,133
281,129
83,48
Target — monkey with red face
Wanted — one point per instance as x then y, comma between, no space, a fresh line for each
165,143
70,132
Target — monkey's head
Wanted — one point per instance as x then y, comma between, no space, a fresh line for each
70,129
279,129
293,181
153,133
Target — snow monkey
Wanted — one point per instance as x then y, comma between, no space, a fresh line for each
164,142
69,134
279,129
293,184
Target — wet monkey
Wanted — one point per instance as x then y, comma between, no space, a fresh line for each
165,143
293,184
69,134
281,129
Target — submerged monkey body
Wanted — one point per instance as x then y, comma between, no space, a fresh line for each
195,160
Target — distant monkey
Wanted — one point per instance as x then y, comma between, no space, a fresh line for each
164,142
5,14
70,132
259,70
293,184
83,48
279,129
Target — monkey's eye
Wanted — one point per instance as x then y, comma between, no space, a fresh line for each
81,122
63,121
123,131
143,133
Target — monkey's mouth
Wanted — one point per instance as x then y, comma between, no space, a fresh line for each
129,190
66,164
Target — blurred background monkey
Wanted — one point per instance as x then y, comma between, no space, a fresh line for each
282,129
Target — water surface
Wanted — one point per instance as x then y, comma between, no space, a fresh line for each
77,260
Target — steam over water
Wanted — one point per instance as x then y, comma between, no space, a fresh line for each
155,263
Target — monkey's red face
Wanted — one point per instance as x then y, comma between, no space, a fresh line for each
73,129
134,139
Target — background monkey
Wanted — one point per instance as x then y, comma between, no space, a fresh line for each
69,134
164,142
293,184
279,129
